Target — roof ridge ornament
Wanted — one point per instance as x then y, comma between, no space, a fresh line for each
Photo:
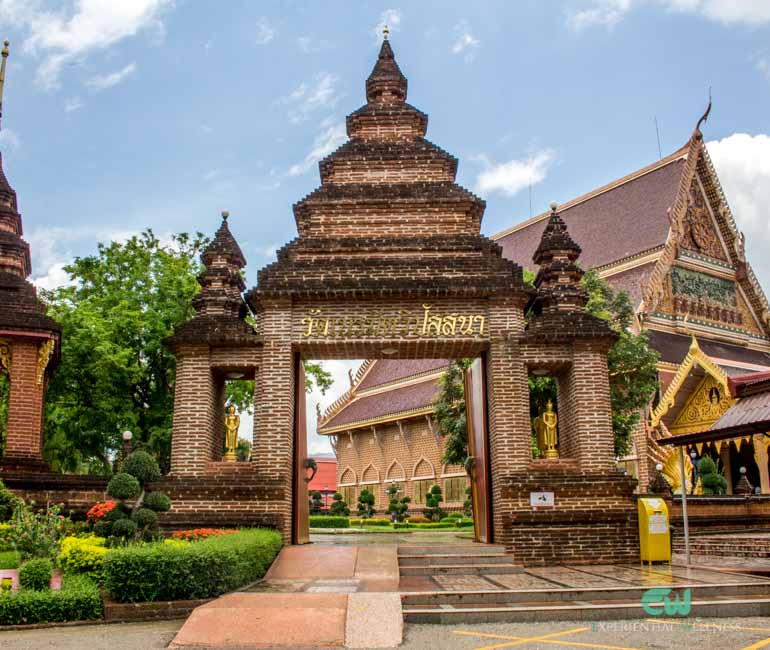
4,54
385,32
704,117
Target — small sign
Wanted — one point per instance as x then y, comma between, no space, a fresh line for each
541,499
658,525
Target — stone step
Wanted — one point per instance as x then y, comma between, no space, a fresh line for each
536,612
450,558
492,598
446,549
460,569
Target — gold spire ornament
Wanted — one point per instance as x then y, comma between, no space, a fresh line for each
2,73
232,422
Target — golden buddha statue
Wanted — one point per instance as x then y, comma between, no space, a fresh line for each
549,420
232,422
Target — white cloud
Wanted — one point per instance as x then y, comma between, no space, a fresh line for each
390,18
603,13
264,31
510,177
9,138
72,104
466,42
762,65
608,13
742,162
331,136
77,29
310,97
104,81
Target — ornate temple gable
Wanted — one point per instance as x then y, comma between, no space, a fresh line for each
707,403
388,218
695,358
704,238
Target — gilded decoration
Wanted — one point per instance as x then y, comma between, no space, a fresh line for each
406,323
699,233
686,282
704,407
232,422
5,356
673,473
44,354
546,432
695,357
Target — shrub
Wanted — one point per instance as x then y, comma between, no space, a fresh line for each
36,574
464,523
6,537
433,525
38,534
395,505
102,528
201,533
83,555
143,467
202,570
398,525
454,515
78,600
712,481
316,502
124,528
433,500
144,517
339,508
418,520
157,501
468,503
9,560
366,504
375,522
124,486
8,502
329,522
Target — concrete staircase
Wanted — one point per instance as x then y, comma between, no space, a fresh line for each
477,559
731,595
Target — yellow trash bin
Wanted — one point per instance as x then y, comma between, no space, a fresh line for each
654,531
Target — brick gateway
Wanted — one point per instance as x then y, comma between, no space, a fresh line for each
389,262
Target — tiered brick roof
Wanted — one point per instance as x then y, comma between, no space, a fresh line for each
363,232
220,309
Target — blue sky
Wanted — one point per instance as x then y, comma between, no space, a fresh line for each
158,113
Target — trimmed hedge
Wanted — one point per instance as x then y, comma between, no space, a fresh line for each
36,574
434,525
202,569
464,523
83,555
9,560
329,522
370,522
78,600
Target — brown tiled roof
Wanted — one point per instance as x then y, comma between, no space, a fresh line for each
673,349
391,402
385,371
631,282
617,221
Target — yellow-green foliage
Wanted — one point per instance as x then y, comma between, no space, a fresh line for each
176,543
6,530
83,555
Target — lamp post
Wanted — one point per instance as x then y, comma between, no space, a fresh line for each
693,456
127,437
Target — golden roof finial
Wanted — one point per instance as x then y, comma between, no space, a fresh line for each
4,53
385,32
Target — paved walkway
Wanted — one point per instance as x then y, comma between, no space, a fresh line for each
313,596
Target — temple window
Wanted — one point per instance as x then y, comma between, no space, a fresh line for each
454,489
349,495
420,489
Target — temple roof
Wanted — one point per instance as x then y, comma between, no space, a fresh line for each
673,348
385,390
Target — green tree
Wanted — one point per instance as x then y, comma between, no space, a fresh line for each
365,504
449,410
433,500
115,372
631,361
396,505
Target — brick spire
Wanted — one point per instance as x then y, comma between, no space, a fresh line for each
558,280
221,281
386,84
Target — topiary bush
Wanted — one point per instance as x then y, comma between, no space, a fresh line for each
339,508
329,522
433,500
36,574
144,517
157,501
712,481
78,600
124,529
203,569
366,504
124,487
143,467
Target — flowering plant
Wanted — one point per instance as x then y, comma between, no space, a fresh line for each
201,533
99,510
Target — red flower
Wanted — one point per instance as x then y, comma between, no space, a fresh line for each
99,510
201,533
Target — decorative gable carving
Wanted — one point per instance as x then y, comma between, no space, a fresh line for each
698,232
704,407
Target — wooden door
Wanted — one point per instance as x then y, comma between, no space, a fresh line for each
478,449
301,506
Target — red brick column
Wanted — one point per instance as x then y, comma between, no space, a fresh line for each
24,439
193,433
508,407
273,448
